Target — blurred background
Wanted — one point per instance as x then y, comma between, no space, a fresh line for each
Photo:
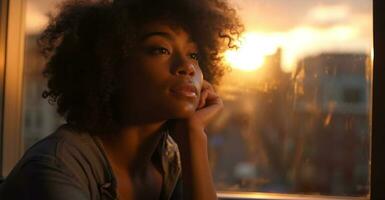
297,98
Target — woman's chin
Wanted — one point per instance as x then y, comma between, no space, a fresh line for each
182,108
184,111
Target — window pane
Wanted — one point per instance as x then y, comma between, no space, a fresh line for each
297,101
39,117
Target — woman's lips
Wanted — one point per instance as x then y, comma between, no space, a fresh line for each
189,91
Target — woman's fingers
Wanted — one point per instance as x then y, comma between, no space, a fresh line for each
210,103
202,100
203,95
208,95
206,85
212,98
208,113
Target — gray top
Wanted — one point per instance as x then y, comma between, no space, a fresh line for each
71,165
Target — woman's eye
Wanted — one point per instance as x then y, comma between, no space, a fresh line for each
159,51
194,56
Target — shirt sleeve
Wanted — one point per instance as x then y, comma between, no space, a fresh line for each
39,179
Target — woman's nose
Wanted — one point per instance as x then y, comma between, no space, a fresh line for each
185,68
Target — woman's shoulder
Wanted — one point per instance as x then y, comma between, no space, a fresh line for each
69,149
66,155
61,145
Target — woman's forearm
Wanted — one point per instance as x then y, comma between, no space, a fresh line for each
192,142
196,174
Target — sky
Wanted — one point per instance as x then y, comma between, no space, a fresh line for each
282,15
306,27
299,27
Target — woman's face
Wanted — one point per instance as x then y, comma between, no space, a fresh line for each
163,80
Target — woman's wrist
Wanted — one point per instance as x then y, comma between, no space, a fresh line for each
193,149
190,134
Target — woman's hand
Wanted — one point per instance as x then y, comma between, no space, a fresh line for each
210,104
192,142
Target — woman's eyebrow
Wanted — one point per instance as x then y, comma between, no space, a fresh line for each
158,33
165,35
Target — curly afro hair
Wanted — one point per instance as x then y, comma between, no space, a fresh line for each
88,41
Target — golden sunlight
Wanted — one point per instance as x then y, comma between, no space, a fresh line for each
296,44
253,48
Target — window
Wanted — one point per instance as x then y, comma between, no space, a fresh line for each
298,99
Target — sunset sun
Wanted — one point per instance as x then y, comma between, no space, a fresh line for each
253,48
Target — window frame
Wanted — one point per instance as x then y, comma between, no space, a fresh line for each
12,35
377,161
12,104
3,37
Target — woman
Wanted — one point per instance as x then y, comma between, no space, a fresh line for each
133,80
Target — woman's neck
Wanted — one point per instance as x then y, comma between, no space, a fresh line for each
132,148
